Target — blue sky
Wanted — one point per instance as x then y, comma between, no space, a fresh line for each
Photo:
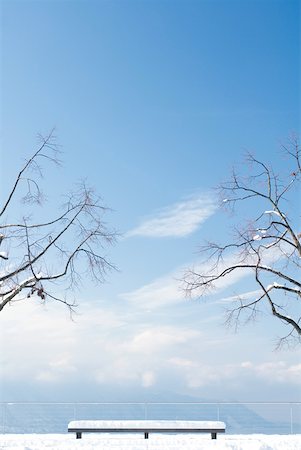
153,103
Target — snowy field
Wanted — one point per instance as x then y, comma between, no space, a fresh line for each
155,442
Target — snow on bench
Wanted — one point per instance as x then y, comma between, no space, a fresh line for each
146,426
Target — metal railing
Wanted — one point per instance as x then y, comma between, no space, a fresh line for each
240,418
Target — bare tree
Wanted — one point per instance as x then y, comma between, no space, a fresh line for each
267,247
41,255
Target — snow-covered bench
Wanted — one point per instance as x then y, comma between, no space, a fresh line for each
145,426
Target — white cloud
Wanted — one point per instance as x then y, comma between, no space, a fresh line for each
158,338
178,220
246,364
57,369
46,376
46,345
182,362
112,346
160,292
105,345
278,371
243,296
148,379
139,355
199,374
168,289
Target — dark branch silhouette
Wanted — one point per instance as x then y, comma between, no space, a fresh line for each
267,247
37,257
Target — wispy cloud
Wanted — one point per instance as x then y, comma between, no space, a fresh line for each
243,296
169,289
177,220
161,292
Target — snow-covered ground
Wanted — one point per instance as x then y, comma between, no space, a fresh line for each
155,442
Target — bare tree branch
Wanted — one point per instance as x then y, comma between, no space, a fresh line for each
60,249
267,248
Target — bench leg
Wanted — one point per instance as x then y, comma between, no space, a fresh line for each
78,435
213,435
145,435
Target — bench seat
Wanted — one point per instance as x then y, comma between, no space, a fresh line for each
146,426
